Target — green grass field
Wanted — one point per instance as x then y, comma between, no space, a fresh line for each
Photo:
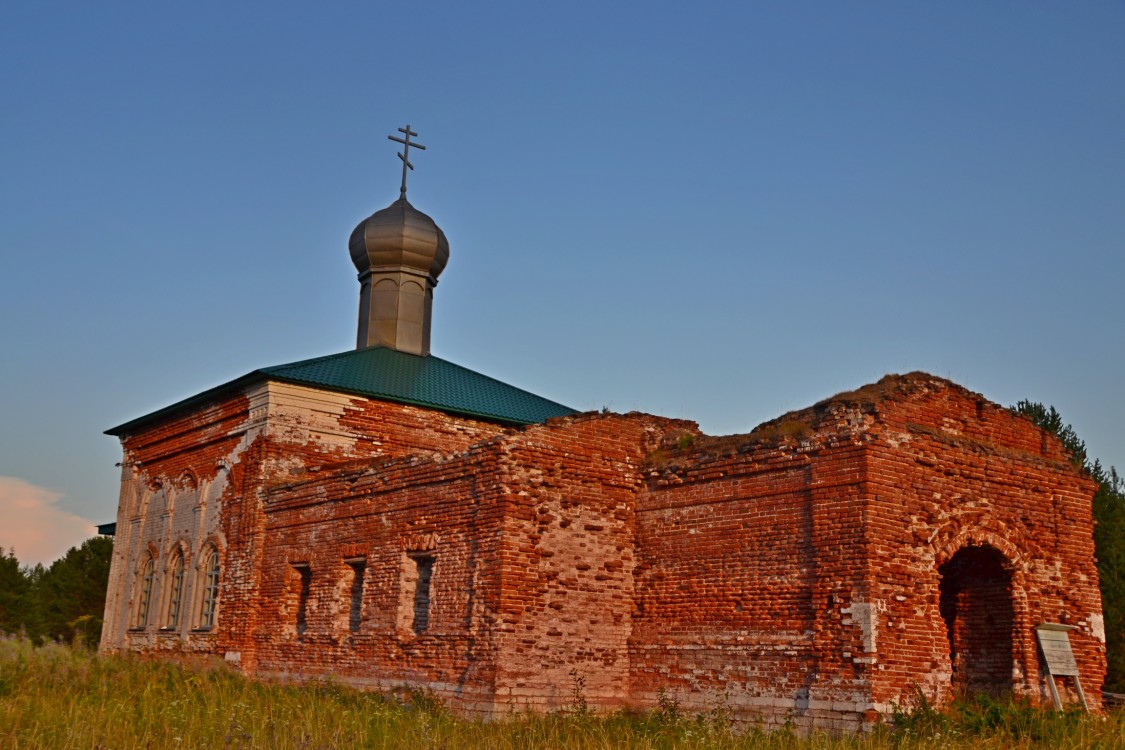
58,697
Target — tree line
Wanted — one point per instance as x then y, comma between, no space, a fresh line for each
63,602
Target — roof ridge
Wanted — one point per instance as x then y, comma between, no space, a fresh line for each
272,369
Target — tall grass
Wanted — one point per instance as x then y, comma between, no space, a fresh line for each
59,697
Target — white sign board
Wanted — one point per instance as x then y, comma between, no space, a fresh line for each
1054,642
1057,653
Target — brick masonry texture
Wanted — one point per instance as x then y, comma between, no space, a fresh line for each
904,537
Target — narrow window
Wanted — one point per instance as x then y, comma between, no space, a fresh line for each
305,583
210,589
355,610
177,591
145,579
422,593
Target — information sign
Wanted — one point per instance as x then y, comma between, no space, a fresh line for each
1057,653
1054,642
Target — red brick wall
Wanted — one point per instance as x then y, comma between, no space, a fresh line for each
193,442
402,430
951,471
384,511
532,585
793,572
567,593
380,429
741,545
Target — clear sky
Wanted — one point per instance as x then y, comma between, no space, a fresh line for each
714,211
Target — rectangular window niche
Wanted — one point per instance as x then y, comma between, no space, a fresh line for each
424,569
303,585
355,601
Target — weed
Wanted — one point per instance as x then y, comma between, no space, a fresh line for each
789,428
424,701
668,706
578,704
921,719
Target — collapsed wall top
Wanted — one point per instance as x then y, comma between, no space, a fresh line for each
399,252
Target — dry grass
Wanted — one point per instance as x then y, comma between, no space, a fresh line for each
57,697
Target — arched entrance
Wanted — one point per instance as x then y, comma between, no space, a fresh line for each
976,604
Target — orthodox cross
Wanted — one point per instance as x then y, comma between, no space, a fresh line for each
405,154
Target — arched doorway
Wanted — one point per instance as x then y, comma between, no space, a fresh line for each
976,604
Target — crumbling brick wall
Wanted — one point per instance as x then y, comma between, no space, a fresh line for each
816,570
172,478
567,593
796,573
962,490
743,543
530,537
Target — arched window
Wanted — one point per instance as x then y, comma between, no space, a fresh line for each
176,592
210,600
144,584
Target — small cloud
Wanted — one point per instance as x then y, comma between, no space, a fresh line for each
34,524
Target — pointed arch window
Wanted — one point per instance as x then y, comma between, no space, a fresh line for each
176,591
210,600
144,585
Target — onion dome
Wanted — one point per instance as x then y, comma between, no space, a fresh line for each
399,236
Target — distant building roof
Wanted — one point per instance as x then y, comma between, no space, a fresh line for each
382,373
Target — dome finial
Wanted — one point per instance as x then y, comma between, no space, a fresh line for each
399,253
405,155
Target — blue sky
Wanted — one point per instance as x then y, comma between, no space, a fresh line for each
719,212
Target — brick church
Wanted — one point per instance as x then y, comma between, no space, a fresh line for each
390,519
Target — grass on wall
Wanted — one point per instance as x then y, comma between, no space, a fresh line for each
60,697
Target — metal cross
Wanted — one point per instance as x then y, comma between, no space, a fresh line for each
405,154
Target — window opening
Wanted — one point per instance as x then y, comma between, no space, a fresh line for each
146,592
176,597
210,591
355,610
422,593
303,599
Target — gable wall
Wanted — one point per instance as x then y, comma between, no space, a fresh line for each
173,476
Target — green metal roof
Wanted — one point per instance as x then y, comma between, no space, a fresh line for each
390,375
378,372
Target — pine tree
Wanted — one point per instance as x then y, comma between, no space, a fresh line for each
14,588
1109,535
